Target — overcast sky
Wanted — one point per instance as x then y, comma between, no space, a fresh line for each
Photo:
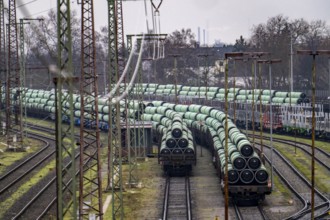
222,20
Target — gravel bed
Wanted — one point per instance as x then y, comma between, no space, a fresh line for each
24,170
250,213
206,195
34,210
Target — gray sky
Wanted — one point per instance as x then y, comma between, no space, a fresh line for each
224,20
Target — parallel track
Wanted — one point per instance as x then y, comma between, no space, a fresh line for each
38,206
15,177
302,186
321,156
177,199
43,197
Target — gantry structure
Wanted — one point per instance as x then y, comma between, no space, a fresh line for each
135,128
13,84
131,124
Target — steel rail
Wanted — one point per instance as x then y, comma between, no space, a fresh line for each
26,160
302,199
283,141
46,187
166,197
305,210
188,198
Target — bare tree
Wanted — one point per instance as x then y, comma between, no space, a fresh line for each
276,37
183,38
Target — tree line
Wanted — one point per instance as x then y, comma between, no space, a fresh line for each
277,36
196,63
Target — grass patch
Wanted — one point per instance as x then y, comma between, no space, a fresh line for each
280,188
281,193
303,163
135,199
8,158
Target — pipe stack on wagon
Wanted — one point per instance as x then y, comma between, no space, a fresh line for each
244,165
38,102
263,96
175,124
177,139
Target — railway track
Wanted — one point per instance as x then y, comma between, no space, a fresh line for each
321,156
249,213
44,200
177,199
18,175
300,184
21,174
41,197
36,127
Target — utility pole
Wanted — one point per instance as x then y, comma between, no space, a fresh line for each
291,65
175,71
13,107
3,62
270,62
23,64
134,134
90,190
313,53
116,61
255,56
206,70
228,56
136,137
67,202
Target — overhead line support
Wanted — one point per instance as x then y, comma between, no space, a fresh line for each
116,56
67,201
90,182
13,104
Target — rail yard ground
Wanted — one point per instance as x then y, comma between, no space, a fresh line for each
145,202
146,199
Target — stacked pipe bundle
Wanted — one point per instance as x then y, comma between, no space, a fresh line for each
295,98
42,101
263,96
243,163
172,122
176,138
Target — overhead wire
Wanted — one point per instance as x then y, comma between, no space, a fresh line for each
146,15
40,12
116,87
54,69
110,95
158,41
154,31
136,70
27,3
